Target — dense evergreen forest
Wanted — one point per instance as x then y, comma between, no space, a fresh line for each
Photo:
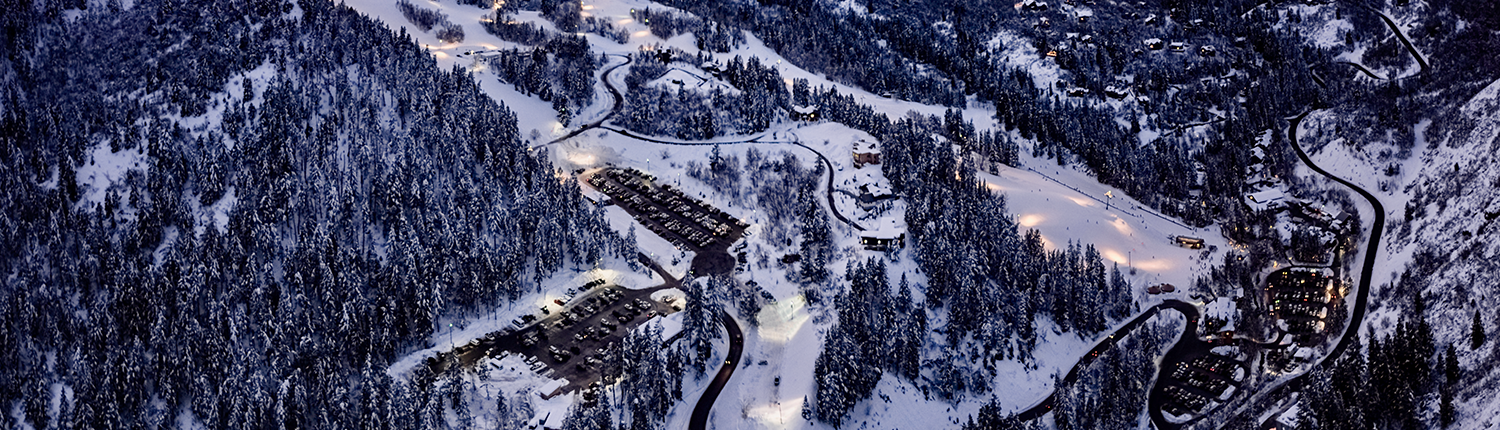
372,193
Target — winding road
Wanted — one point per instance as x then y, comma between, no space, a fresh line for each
1187,309
619,102
1189,340
1362,297
705,404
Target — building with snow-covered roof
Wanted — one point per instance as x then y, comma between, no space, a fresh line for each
884,236
804,113
1272,198
866,152
1154,43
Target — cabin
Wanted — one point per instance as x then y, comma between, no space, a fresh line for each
866,153
885,237
1078,92
1154,44
1207,51
1114,92
804,113
1178,47
1188,242
1085,15
1272,198
1044,22
870,196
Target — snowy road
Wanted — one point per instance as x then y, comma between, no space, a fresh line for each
736,347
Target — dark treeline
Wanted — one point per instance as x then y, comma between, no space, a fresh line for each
687,113
425,19
707,35
957,59
560,71
376,193
879,330
817,38
1387,387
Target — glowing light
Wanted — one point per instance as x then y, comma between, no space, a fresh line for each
1081,201
777,415
642,33
625,21
780,321
588,7
582,159
1031,220
1120,226
440,54
1115,256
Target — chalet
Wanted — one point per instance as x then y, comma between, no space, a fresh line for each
1052,53
1044,22
1151,19
1178,47
1084,15
1034,5
1154,44
1078,92
1114,92
870,196
1207,51
866,153
884,238
804,113
1267,199
1188,242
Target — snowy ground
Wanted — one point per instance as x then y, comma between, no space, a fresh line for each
1062,203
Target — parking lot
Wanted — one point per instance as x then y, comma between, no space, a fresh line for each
571,342
686,222
1299,298
1194,384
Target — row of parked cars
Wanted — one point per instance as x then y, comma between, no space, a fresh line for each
704,226
1211,374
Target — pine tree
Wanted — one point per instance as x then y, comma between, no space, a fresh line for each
1445,406
1450,366
1476,334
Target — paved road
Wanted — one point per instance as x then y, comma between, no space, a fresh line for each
619,103
699,420
615,109
1421,61
1186,309
1362,68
